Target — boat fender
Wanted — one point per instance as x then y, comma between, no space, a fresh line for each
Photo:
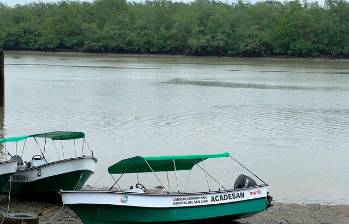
243,181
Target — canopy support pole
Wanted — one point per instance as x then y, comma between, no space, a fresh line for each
168,182
45,146
54,145
43,155
156,176
186,182
5,150
225,168
82,149
248,170
88,147
174,164
208,185
23,147
74,148
211,177
116,181
62,148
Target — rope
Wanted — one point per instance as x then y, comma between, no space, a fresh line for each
53,217
156,176
208,185
89,147
77,184
211,177
99,179
248,170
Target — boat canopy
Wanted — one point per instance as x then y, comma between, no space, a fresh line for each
56,135
140,164
60,135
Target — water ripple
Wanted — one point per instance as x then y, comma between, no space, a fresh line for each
181,81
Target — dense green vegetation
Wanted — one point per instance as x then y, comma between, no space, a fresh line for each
203,27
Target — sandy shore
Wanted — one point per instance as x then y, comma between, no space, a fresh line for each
278,214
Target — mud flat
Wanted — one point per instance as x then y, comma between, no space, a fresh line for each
278,214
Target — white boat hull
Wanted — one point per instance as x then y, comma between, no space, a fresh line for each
69,174
137,208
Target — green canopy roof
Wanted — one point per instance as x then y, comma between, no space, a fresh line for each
60,135
13,139
141,164
56,135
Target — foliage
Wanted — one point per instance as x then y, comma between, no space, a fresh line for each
202,27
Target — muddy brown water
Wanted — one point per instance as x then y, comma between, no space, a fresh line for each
287,120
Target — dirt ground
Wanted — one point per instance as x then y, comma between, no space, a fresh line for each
278,214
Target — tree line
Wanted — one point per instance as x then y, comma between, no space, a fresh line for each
202,27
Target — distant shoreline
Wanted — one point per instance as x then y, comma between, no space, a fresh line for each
82,53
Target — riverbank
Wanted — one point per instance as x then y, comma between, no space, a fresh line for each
83,53
278,214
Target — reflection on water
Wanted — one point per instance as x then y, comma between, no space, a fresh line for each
286,119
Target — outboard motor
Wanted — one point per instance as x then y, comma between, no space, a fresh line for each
244,181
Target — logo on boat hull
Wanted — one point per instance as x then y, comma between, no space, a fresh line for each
124,199
226,197
256,192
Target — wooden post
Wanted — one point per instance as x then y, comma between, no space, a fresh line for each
2,79
2,102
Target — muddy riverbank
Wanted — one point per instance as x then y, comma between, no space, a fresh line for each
278,214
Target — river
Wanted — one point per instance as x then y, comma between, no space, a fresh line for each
287,120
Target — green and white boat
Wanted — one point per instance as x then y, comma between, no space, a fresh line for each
138,205
40,178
